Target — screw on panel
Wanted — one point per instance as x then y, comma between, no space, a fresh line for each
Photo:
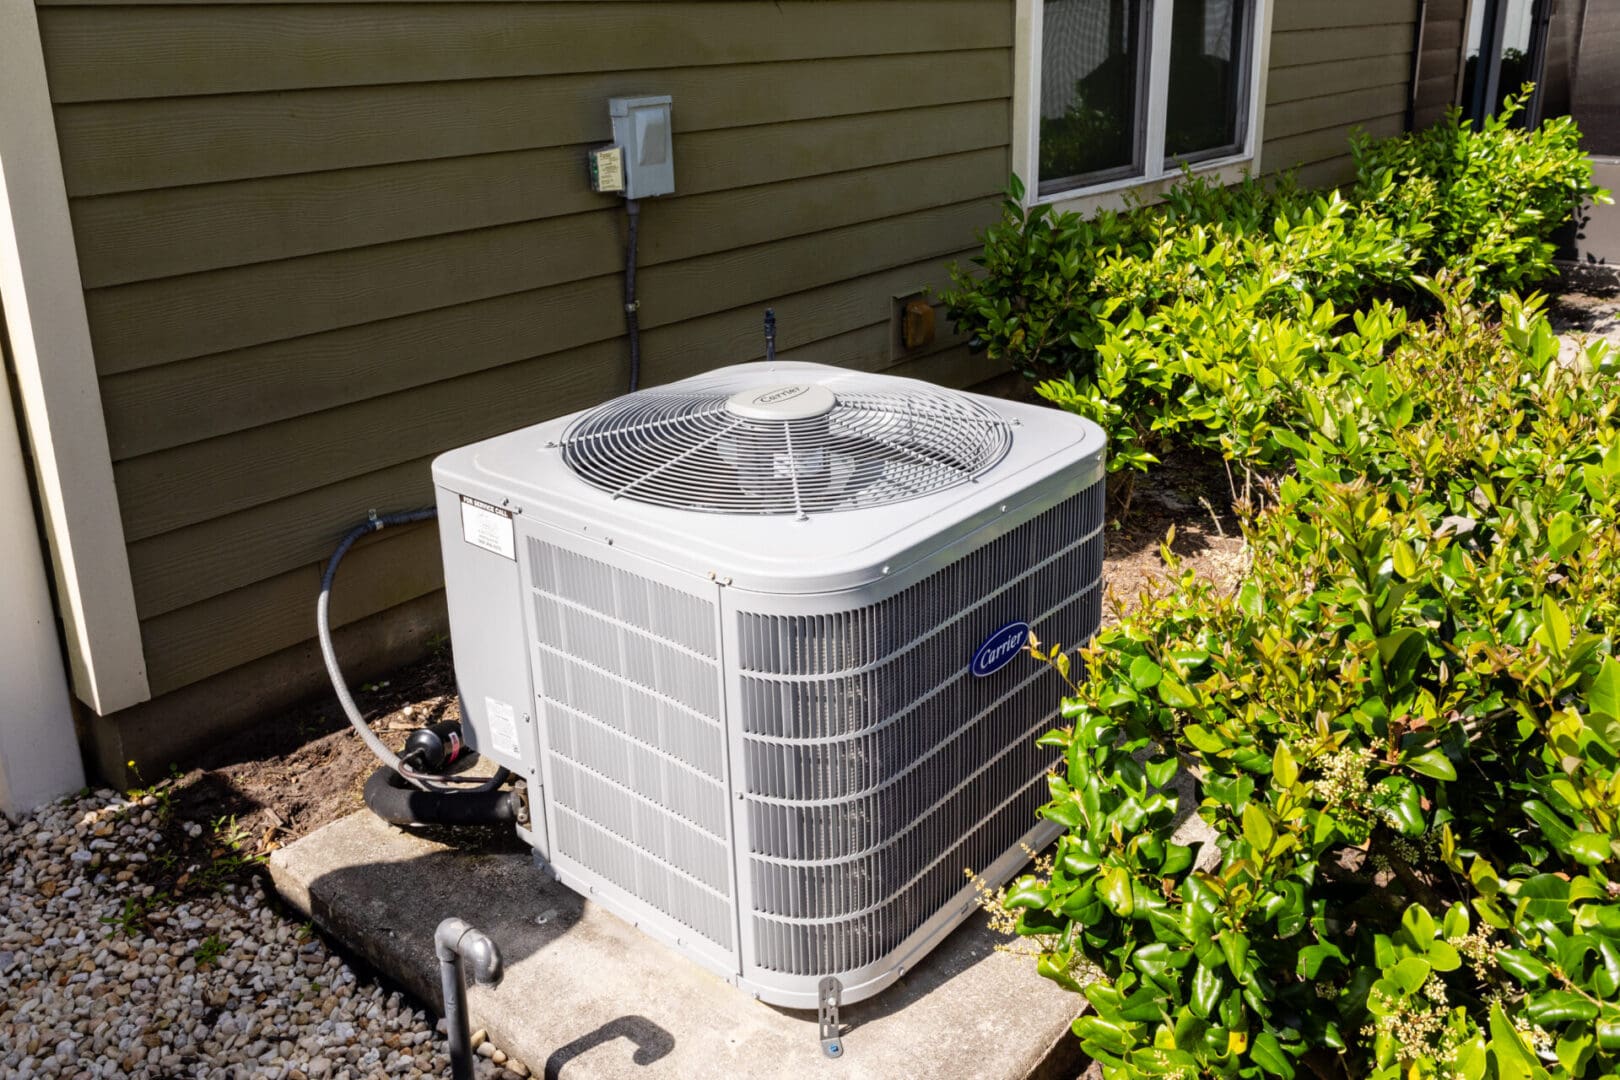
829,995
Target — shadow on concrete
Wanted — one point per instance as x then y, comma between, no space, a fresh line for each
652,1043
385,911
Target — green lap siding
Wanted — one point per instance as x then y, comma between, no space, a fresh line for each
1335,66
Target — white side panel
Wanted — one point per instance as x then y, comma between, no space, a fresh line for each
627,671
485,600
39,756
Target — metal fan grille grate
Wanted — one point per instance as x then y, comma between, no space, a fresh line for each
690,451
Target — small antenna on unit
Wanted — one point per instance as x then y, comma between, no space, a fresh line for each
770,336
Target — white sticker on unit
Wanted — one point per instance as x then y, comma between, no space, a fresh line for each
503,735
488,527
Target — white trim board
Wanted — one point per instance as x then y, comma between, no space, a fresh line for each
1027,22
43,298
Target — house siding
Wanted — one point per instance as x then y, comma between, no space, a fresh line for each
1439,77
1335,66
323,242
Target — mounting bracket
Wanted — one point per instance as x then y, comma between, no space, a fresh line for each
830,995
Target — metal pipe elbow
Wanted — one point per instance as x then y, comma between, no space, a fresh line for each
456,939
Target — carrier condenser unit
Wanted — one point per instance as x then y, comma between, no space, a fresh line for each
753,641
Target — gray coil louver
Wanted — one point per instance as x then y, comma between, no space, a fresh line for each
740,447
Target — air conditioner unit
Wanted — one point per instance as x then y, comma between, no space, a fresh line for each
752,639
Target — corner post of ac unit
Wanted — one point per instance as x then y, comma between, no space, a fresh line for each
61,415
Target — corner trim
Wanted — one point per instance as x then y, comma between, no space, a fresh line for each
43,296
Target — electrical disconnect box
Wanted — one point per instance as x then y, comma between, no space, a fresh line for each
641,129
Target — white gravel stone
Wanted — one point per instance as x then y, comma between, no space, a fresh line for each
102,976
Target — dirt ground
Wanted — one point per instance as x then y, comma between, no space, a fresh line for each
289,775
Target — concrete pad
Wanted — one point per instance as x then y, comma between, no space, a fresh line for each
586,995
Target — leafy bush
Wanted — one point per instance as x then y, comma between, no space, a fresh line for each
1491,198
1403,729
1179,324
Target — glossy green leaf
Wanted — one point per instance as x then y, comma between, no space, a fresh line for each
1433,763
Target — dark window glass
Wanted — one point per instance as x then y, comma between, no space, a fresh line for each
1204,114
1091,90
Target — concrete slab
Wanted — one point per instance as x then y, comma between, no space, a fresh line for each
586,995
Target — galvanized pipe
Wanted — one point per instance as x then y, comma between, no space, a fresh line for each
453,942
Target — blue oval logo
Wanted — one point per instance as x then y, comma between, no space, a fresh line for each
999,648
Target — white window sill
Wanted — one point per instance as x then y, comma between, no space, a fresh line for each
1112,195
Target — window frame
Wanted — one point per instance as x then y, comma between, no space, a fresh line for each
1158,172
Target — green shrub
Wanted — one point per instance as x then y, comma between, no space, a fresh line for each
1403,728
1493,198
1179,323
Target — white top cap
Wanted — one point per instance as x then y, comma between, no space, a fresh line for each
788,401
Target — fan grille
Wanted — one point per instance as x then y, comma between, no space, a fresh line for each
692,450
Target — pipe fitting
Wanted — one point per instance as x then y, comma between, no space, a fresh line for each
455,938
454,942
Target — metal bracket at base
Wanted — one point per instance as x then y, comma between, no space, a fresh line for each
830,993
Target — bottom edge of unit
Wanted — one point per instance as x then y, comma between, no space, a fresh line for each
802,991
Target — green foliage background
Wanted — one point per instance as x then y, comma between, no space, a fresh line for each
1403,724
1176,324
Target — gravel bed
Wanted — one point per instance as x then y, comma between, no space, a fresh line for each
106,974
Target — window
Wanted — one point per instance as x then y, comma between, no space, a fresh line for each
1115,93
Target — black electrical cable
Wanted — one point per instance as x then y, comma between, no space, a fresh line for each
631,305
323,629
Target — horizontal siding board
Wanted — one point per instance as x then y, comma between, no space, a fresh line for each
192,483
1328,173
98,54
1442,38
956,366
1316,146
1315,114
150,323
188,566
141,235
1439,65
1301,48
233,628
1436,92
160,408
180,406
1333,14
1336,77
124,146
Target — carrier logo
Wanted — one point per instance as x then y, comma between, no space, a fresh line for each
780,394
999,648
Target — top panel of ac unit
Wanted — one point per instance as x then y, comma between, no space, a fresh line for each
785,477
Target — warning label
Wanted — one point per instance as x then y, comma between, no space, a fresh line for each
503,733
488,527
